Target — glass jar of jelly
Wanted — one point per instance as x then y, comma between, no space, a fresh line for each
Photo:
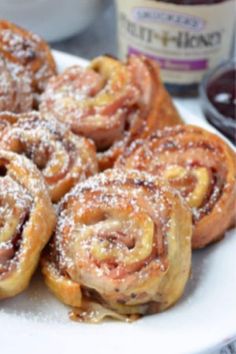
218,98
186,37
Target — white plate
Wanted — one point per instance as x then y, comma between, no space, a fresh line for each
204,318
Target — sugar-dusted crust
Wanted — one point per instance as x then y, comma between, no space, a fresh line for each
62,157
125,239
16,93
201,166
27,220
110,102
21,47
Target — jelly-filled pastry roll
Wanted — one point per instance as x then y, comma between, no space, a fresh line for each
201,166
122,246
27,220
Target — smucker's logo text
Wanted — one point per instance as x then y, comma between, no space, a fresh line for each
188,22
177,39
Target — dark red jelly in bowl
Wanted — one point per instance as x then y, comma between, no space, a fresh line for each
218,98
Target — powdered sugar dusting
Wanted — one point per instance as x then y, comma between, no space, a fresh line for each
15,205
185,155
102,102
22,192
62,157
109,223
28,50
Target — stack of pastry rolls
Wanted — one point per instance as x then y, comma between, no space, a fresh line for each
134,189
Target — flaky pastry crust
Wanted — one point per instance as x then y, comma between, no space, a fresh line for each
27,220
21,47
201,166
111,102
123,240
62,157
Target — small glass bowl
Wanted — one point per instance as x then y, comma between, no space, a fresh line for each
225,125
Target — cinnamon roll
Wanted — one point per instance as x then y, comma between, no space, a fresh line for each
123,242
110,102
63,158
27,220
21,47
201,166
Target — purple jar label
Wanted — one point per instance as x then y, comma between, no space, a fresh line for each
174,64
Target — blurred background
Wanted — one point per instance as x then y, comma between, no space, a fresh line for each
89,24
98,38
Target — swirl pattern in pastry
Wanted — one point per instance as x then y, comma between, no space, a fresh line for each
110,102
201,166
21,47
62,157
123,239
27,219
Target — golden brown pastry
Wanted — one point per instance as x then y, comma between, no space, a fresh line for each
27,220
6,119
122,246
21,47
62,157
7,87
15,88
110,102
201,166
